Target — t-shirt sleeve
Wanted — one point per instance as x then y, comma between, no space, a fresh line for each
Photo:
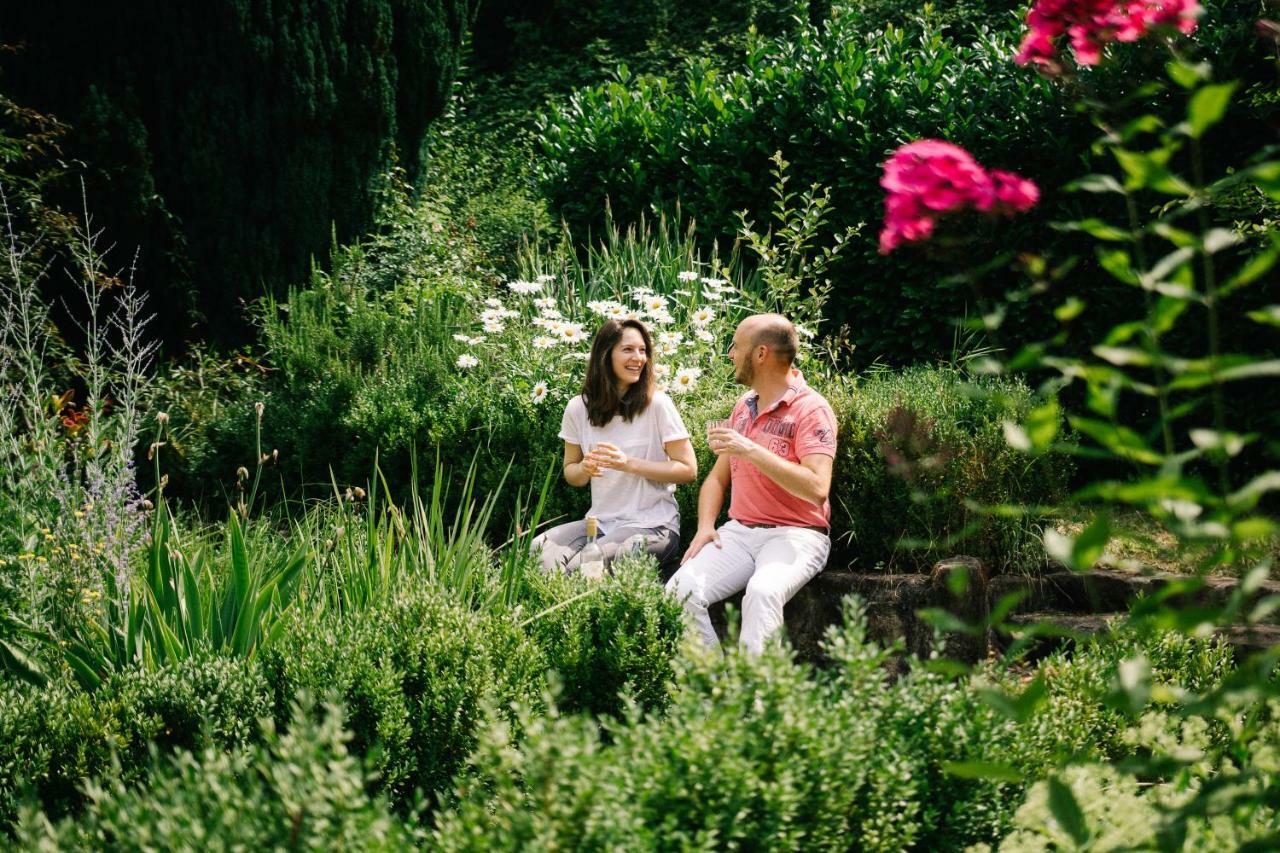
817,432
571,422
670,425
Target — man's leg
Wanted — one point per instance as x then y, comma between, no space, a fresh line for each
560,544
788,559
713,575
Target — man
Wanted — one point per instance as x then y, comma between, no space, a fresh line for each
775,456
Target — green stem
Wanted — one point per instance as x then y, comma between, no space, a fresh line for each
1149,337
1211,303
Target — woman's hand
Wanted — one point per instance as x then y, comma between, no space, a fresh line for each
608,455
590,466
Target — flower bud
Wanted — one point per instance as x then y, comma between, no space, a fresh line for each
148,505
359,493
162,418
258,407
275,455
242,473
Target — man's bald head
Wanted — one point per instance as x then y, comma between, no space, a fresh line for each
775,332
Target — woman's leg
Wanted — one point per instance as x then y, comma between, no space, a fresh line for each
658,541
558,545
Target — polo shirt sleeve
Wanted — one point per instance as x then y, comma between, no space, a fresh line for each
817,431
670,425
571,421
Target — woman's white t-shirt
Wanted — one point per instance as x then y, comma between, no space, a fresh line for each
624,500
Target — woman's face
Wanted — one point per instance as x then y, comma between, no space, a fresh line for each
628,358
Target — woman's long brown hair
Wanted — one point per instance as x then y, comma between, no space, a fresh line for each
600,388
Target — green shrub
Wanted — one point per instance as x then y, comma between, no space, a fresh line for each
918,449
751,751
51,739
413,674
835,101
622,636
300,790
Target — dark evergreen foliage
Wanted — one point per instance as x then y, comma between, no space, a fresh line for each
231,140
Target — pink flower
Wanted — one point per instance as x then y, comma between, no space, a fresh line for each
929,179
1092,24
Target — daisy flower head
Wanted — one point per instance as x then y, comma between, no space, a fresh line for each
705,336
654,303
493,303
490,314
552,314
712,282
662,371
544,278
702,317
599,306
709,295
468,340
544,302
687,275
466,361
617,311
580,356
671,340
494,327
539,392
543,342
662,318
524,288
686,378
572,333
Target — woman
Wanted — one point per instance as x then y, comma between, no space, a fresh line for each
637,450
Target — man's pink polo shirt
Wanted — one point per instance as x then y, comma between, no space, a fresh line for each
798,424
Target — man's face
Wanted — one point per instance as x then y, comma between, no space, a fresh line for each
740,352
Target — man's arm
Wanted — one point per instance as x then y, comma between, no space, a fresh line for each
710,502
810,479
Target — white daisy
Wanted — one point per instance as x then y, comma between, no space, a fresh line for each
702,316
552,314
545,302
490,314
654,303
662,371
493,303
671,339
494,327
710,295
617,311
662,318
508,313
543,342
539,392
572,333
687,275
467,361
705,336
544,278
524,288
580,356
599,306
713,282
803,332
686,377
462,339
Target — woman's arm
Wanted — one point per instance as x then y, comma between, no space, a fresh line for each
681,465
577,470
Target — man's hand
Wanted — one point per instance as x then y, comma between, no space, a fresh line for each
701,538
723,441
608,455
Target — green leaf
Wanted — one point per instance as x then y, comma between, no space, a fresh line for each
1148,171
1120,440
1088,547
1267,177
989,770
1118,263
1254,528
946,621
1133,683
1021,707
1207,107
1069,310
1066,812
1095,184
1253,269
1185,74
1102,230
1268,315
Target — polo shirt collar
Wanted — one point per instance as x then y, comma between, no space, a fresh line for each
795,384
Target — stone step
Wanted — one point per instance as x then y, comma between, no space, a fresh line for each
1244,639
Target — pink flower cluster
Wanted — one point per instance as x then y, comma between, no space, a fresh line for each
1091,24
931,178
